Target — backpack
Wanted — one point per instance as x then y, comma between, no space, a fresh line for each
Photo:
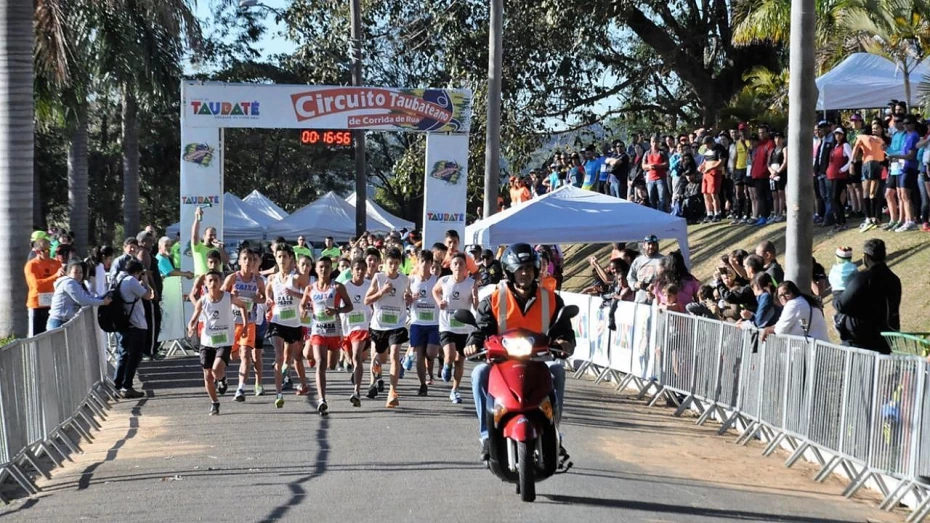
114,317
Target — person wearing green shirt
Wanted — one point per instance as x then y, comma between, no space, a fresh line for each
302,249
200,249
176,253
331,250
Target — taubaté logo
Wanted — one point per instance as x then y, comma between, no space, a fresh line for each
226,109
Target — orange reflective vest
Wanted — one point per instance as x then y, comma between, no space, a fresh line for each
510,315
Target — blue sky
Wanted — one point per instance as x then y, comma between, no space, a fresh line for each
273,42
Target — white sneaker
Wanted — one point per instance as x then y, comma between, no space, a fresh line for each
908,226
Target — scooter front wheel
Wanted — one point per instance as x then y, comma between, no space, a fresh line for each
526,463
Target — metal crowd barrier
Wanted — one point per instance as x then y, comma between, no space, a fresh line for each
850,410
52,387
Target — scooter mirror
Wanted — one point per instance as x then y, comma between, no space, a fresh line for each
465,316
565,313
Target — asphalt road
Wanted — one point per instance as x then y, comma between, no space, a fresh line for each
163,459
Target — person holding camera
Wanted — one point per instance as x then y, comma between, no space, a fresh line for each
645,268
199,250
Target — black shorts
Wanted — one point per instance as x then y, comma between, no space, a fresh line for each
739,176
451,338
872,170
287,334
208,355
908,179
383,340
761,184
260,331
894,182
855,173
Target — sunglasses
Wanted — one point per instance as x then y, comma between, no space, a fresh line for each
783,295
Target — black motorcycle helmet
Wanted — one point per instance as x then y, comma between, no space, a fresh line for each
519,254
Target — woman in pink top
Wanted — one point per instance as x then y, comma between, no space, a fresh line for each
674,272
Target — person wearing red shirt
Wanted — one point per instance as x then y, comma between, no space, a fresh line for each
841,160
655,165
760,176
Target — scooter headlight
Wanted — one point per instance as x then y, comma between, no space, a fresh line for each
499,412
519,347
546,408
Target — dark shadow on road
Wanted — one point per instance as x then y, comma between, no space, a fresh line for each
298,492
136,412
646,506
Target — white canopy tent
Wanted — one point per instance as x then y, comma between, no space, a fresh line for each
375,211
329,216
864,81
571,215
265,206
238,221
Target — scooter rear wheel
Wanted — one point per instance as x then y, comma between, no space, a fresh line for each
526,463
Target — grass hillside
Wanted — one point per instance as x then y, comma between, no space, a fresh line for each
908,257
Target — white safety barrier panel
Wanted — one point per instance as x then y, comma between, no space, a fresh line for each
849,410
52,387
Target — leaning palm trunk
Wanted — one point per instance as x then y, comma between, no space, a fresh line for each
130,164
16,156
802,97
77,184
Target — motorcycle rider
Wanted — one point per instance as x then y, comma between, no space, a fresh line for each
518,302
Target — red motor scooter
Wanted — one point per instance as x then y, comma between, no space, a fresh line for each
523,438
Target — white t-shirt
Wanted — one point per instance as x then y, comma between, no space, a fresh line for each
323,324
285,311
390,312
424,310
457,296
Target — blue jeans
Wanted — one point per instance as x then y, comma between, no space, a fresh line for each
824,192
924,199
128,356
657,191
479,389
54,323
615,189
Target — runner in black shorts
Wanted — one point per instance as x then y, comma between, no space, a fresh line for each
389,296
457,291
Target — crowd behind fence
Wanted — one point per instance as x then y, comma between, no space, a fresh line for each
846,409
53,388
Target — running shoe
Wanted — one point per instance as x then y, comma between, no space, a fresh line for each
907,227
355,400
221,387
407,362
349,367
215,409
771,220
376,369
303,391
838,228
707,219
736,221
279,401
868,226
240,395
446,373
380,385
393,400
890,226
322,407
485,450
455,397
760,222
287,384
372,392
423,390
716,219
259,390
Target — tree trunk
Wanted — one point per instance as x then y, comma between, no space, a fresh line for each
130,164
492,153
802,97
907,85
78,184
16,157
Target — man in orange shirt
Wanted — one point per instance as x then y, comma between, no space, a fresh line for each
41,273
452,243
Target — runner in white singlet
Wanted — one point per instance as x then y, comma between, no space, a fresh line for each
284,298
454,292
389,297
424,314
250,289
355,325
214,310
323,301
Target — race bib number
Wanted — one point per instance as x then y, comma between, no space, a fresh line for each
389,316
287,314
45,299
897,167
323,317
426,315
326,329
219,339
454,323
357,318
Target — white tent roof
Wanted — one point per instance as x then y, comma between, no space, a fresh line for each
571,215
329,216
375,211
238,223
864,81
265,206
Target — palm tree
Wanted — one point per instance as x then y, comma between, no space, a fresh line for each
140,45
16,156
770,20
898,30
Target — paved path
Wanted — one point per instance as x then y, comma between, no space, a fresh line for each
163,459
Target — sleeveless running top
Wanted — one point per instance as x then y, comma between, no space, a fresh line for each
390,312
323,324
360,316
456,295
285,305
247,290
424,310
217,320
